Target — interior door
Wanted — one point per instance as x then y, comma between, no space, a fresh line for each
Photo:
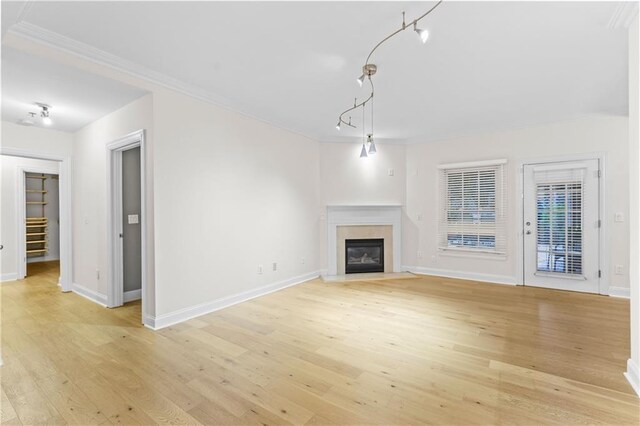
562,225
131,233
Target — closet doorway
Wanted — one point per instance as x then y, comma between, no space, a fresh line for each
16,163
42,224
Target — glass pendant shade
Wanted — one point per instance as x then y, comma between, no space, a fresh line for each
363,152
372,147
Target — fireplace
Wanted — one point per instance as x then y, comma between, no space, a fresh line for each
364,255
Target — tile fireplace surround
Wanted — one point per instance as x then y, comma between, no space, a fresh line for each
386,217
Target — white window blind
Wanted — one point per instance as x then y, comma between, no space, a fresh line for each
559,219
473,207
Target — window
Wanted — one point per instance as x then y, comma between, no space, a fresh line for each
472,213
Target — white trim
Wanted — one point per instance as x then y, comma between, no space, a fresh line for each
623,15
633,375
603,236
65,174
89,294
462,275
89,53
363,215
469,254
472,164
624,292
13,276
131,295
115,290
185,314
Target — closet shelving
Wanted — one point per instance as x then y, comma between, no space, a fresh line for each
36,226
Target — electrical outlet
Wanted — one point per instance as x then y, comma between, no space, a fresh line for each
619,269
419,254
275,266
391,172
303,261
259,269
619,217
419,217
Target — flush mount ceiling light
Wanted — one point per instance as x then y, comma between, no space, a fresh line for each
44,113
368,70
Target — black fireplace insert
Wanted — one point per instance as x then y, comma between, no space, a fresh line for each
364,255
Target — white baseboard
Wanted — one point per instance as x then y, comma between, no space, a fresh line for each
9,277
489,278
175,317
130,296
633,375
624,292
87,293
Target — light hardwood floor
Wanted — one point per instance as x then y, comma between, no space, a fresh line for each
406,351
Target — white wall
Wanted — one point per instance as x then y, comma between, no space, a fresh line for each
37,140
633,370
347,179
8,210
588,135
90,193
52,212
231,193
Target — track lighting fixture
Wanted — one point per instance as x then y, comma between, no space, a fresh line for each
369,69
44,113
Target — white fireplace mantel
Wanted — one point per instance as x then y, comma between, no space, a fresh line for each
363,215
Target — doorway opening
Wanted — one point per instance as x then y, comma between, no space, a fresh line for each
127,239
562,225
42,224
53,242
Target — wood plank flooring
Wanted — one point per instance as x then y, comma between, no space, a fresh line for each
408,351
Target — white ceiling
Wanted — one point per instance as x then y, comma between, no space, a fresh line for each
77,97
487,65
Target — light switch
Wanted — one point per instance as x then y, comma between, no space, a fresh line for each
619,217
132,219
391,172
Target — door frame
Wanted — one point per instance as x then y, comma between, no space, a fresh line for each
65,194
115,290
21,211
603,241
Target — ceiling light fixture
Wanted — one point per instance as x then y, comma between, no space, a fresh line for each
46,120
363,151
423,34
372,145
369,69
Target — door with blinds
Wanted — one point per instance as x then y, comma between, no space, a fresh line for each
562,225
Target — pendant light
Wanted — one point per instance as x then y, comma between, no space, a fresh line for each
363,151
372,144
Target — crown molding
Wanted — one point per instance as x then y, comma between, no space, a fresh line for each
24,11
623,15
51,39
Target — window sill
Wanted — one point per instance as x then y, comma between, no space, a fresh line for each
474,254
